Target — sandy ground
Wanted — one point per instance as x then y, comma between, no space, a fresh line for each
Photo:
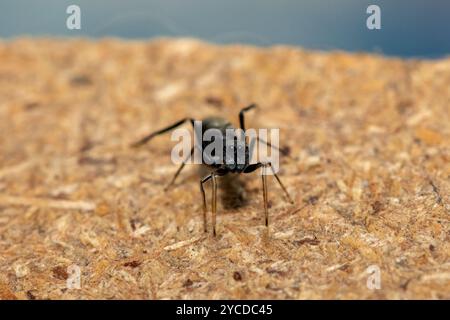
369,171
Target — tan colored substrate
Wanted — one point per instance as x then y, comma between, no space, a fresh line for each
369,139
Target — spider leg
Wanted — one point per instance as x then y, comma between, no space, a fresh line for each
241,115
179,169
159,132
212,176
214,202
264,183
286,193
202,181
283,151
254,167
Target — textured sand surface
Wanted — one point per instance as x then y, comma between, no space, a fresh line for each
369,141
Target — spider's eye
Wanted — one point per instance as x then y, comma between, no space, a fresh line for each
229,154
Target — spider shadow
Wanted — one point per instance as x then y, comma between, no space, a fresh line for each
231,191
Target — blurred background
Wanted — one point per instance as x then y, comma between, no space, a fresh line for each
410,28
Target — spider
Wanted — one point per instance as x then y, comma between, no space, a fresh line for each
226,165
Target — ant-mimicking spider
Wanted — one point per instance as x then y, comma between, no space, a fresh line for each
223,166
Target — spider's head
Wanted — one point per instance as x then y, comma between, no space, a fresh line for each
237,155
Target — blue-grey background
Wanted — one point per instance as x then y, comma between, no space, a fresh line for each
410,28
